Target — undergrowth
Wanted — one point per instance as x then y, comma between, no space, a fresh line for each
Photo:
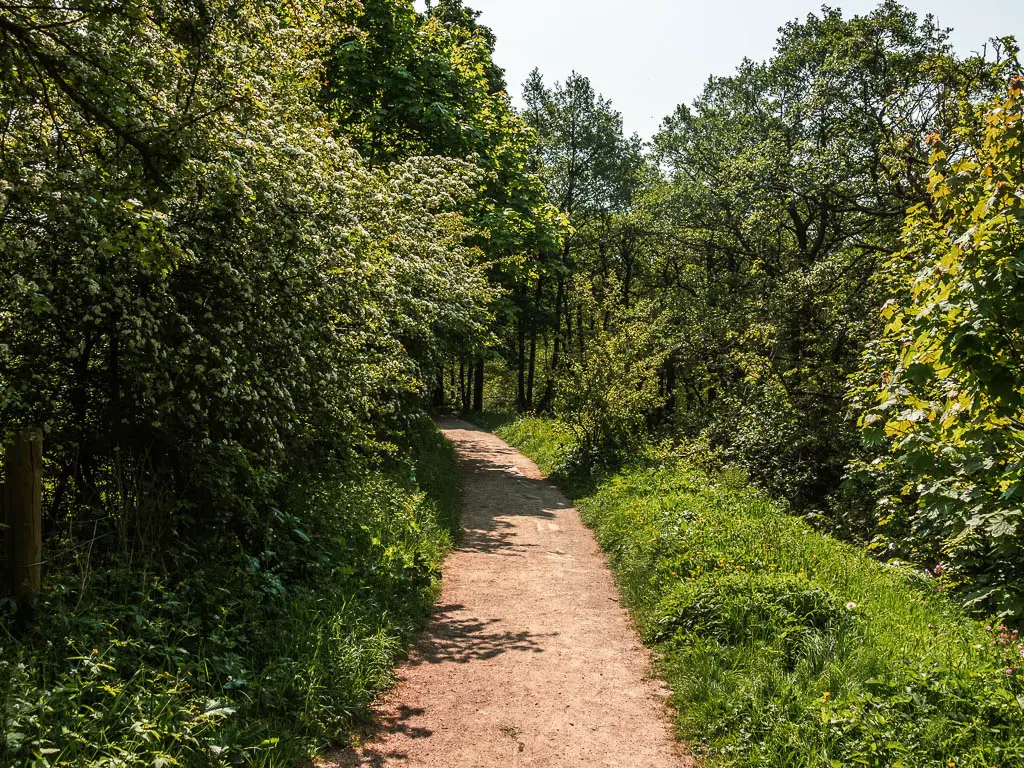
223,656
784,647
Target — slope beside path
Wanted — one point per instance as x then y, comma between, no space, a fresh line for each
529,659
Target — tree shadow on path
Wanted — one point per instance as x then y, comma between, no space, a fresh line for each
451,637
454,636
497,493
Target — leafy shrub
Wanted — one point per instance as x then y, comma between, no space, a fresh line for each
200,285
794,450
606,396
942,390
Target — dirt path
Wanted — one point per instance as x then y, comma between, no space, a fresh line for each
530,660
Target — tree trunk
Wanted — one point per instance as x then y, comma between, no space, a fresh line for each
559,301
23,513
556,355
478,385
463,405
439,388
532,370
521,366
568,326
534,327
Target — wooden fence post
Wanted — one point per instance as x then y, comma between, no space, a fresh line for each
23,513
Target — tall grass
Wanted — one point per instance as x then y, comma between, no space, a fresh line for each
222,655
784,647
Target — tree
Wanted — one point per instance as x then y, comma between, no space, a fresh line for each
788,185
591,171
942,389
202,285
408,84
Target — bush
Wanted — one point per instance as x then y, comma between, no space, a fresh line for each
197,292
941,392
606,396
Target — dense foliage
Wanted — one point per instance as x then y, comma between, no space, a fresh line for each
784,647
403,84
202,282
789,181
226,314
243,245
943,388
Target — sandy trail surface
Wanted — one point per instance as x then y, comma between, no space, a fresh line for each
529,659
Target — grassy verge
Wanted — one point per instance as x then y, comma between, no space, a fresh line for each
251,658
784,647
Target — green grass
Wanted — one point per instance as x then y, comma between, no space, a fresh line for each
546,441
491,420
784,647
229,654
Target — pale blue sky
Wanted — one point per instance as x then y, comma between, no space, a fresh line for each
647,56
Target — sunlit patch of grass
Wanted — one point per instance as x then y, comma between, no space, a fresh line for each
785,647
546,441
492,421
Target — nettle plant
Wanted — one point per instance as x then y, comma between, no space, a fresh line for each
942,390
